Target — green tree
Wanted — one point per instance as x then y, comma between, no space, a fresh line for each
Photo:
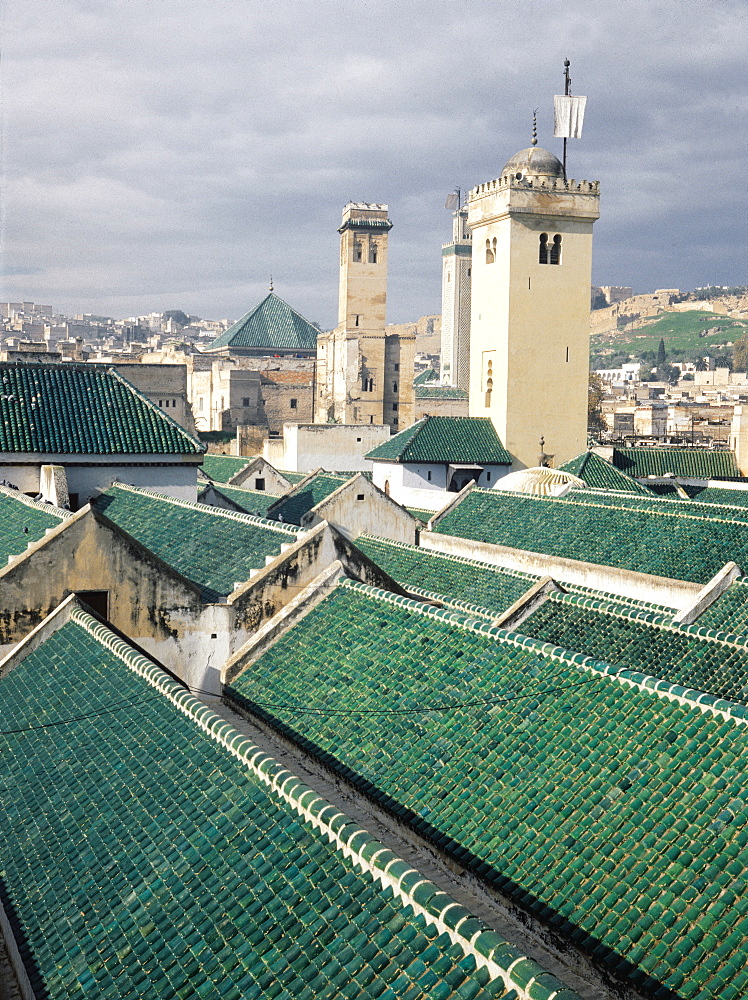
661,354
595,396
740,355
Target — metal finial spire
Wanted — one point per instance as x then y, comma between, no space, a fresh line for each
534,128
271,282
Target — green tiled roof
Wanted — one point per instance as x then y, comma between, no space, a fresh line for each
651,536
691,508
644,641
713,494
146,855
475,586
273,325
421,513
449,576
599,474
23,522
689,462
293,477
445,439
222,468
440,392
292,506
729,613
83,409
215,549
250,501
614,814
426,376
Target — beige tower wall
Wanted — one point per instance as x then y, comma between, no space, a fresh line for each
355,383
530,321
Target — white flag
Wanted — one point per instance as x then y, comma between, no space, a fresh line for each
568,116
452,202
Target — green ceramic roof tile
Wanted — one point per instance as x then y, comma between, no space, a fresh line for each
651,536
445,439
692,507
713,494
456,579
729,613
426,376
645,642
293,477
83,409
614,815
474,586
421,513
293,505
222,468
141,857
599,474
215,549
23,522
693,462
272,324
440,392
250,501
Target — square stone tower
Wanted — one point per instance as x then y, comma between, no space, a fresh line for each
456,276
530,312
363,375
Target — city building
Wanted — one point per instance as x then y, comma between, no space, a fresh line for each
364,376
456,283
530,313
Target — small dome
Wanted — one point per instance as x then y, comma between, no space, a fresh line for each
535,162
539,481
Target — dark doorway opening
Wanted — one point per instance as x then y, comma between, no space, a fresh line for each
97,600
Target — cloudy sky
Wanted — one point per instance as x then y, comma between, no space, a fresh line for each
161,154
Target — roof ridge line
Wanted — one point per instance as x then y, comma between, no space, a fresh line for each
649,617
518,574
49,508
348,838
569,500
232,515
666,690
202,448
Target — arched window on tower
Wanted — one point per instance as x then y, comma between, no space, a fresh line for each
489,382
543,252
490,255
358,252
556,250
373,250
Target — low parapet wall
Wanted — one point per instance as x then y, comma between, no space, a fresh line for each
677,594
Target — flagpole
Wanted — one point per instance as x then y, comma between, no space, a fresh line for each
567,81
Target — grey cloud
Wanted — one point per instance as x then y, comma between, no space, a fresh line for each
160,154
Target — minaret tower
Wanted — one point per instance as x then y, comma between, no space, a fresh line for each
529,332
456,276
358,366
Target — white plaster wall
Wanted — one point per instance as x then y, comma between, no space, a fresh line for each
330,446
99,472
640,586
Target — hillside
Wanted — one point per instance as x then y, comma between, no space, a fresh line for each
694,331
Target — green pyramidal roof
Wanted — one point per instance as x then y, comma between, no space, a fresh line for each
83,409
445,439
271,325
601,475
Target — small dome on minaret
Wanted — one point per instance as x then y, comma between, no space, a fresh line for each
534,162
